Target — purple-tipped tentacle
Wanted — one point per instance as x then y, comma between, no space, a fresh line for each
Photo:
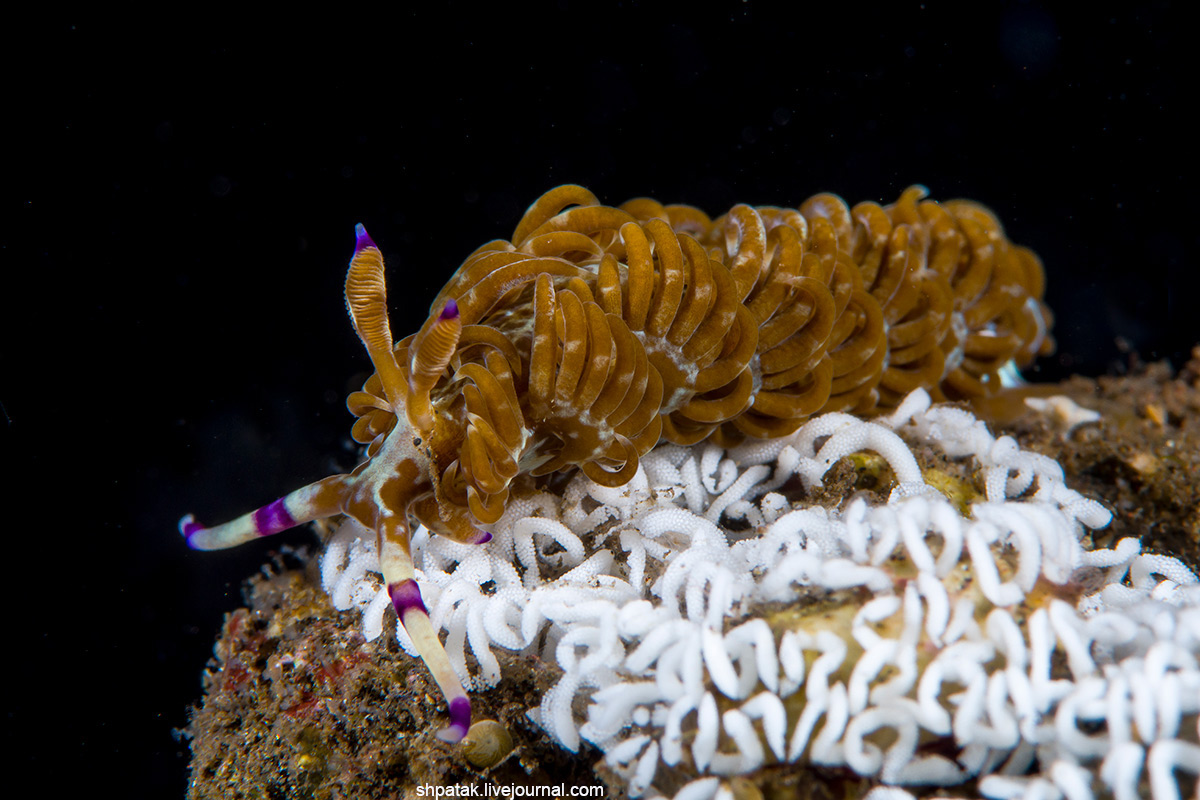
315,501
406,595
189,526
396,561
362,239
460,720
410,608
273,518
484,537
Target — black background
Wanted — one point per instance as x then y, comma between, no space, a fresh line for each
179,202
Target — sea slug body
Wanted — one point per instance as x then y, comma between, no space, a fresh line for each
596,332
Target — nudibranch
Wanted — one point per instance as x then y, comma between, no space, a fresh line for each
597,331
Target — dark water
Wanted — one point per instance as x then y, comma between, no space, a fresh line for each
182,209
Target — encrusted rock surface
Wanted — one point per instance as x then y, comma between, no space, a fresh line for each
297,704
1141,458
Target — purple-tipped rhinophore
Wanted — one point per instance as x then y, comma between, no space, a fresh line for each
406,595
273,518
362,239
484,537
450,310
460,720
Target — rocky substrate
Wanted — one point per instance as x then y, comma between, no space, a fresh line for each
297,704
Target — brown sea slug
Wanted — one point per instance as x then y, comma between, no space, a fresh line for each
597,332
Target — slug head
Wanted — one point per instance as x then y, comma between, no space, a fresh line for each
411,442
